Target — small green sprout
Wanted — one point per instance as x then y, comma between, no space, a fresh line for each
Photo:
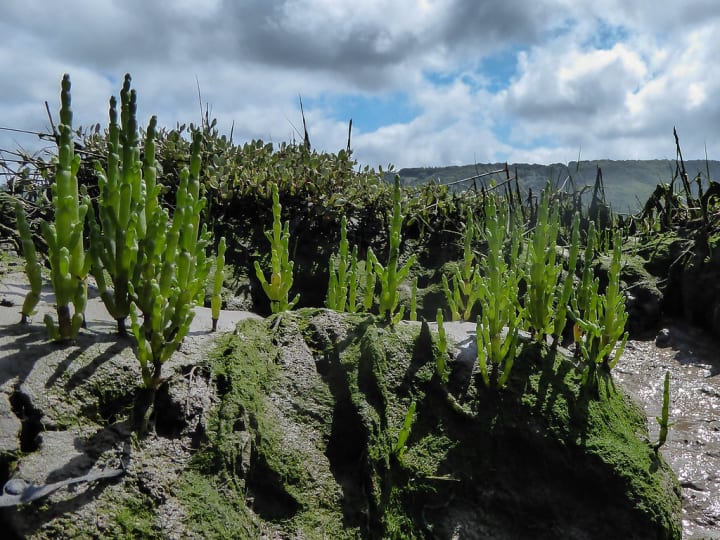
218,277
441,366
400,444
665,414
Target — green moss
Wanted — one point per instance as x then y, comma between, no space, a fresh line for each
125,516
321,432
249,452
134,518
215,511
661,250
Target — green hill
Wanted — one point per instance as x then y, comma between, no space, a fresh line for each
627,183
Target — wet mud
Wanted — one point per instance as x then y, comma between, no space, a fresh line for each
693,444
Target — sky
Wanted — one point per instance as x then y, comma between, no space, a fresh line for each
426,82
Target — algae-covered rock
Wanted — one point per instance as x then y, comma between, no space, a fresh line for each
311,404
290,427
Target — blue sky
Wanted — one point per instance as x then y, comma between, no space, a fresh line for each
426,82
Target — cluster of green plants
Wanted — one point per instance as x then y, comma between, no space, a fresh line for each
150,261
143,214
344,280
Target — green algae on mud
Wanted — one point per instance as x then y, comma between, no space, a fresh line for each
310,406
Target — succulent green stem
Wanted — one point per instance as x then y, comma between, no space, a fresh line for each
218,278
441,367
498,326
543,271
122,212
404,433
32,266
343,275
281,277
69,265
465,290
170,275
601,325
663,419
391,275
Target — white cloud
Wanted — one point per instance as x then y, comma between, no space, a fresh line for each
612,78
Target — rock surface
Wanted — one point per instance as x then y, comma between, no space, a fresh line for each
289,427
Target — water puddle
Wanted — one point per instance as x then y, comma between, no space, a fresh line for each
693,445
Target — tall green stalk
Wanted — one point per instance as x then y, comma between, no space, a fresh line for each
343,275
565,291
441,367
32,266
170,275
218,278
580,300
391,275
543,271
404,433
69,265
281,277
465,282
502,317
121,219
664,419
602,335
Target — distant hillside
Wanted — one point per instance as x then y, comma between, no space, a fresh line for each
628,184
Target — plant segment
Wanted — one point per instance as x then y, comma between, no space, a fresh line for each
121,218
580,301
170,274
565,291
69,265
281,276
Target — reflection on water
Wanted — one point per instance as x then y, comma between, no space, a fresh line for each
693,444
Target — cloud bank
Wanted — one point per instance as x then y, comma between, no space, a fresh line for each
426,82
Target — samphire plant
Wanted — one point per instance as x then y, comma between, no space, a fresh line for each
170,274
32,265
663,419
567,287
218,277
602,325
465,291
441,367
391,275
502,317
343,275
281,267
399,447
580,300
121,216
543,271
69,265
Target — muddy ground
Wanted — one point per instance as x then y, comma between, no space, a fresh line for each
693,444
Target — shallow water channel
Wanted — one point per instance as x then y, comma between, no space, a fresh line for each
693,445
